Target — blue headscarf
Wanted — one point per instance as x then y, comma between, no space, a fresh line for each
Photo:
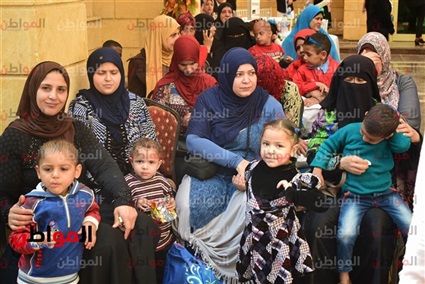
112,109
219,114
303,22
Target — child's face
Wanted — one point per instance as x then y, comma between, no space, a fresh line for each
312,58
57,170
208,7
262,35
145,162
369,138
277,147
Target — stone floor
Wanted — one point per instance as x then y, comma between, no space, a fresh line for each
407,59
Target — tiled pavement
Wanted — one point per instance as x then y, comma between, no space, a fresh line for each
407,59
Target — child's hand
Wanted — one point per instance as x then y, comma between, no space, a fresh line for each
284,183
90,240
288,59
143,204
322,88
171,203
318,173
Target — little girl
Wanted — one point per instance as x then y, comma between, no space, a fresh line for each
273,248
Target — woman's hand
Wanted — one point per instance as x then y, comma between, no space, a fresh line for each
19,217
311,101
239,182
185,120
208,39
128,215
354,164
408,131
239,179
301,147
284,183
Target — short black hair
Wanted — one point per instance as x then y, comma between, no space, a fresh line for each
111,43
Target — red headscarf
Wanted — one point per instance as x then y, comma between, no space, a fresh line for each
32,120
303,34
270,75
189,87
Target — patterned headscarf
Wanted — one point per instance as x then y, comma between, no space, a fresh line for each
270,75
32,119
185,19
387,80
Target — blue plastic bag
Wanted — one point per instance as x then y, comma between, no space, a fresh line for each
182,267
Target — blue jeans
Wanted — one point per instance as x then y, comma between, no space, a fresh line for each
352,210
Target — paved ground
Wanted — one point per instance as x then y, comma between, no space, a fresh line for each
406,59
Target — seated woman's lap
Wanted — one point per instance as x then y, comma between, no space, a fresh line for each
373,251
217,241
122,261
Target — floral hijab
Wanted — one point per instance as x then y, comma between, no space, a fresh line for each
387,80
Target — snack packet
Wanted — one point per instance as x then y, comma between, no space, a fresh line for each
159,211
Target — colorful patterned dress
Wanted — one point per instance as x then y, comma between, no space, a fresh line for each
273,247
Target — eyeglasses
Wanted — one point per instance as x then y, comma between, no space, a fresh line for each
309,39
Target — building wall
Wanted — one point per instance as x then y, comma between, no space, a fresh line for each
66,31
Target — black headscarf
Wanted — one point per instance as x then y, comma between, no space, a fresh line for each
236,34
351,101
202,22
112,109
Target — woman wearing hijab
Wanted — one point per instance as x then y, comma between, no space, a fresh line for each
42,118
204,34
353,91
224,128
400,91
310,18
180,87
117,117
271,78
153,61
234,34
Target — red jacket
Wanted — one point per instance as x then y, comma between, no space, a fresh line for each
306,78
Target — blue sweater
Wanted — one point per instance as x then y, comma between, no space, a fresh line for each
67,213
349,141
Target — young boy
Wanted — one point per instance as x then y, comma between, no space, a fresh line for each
62,207
374,140
314,77
148,185
263,36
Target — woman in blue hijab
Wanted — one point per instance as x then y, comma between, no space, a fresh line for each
308,19
224,128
